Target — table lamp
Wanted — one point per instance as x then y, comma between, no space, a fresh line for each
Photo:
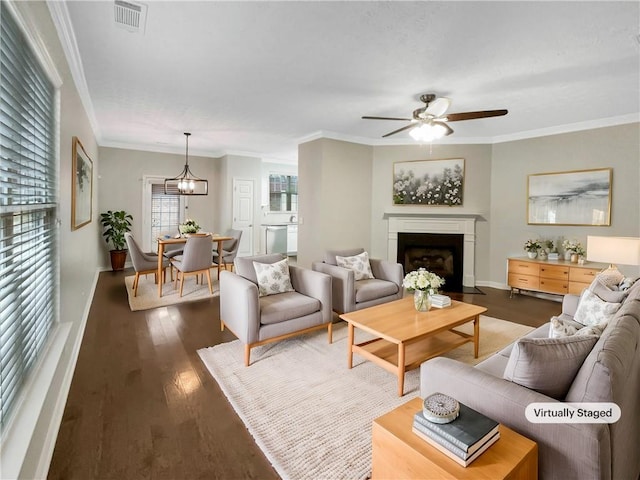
613,250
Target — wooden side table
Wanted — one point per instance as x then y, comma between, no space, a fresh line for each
398,453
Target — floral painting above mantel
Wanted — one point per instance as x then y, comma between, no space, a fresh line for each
429,182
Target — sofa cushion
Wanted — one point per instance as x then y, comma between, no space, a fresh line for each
592,310
358,263
273,278
548,365
563,327
286,306
373,288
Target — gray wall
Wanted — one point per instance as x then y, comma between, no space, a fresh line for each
121,185
334,193
616,147
78,262
476,200
334,181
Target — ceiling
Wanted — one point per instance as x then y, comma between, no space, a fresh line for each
257,78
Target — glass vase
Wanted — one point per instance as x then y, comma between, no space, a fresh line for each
422,300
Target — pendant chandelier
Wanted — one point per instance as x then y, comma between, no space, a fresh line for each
186,183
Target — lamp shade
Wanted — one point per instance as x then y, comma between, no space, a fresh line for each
614,250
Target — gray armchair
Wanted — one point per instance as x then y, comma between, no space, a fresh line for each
143,262
350,294
259,320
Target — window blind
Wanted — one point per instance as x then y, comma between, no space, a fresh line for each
28,211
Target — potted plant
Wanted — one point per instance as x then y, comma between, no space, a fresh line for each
115,225
532,247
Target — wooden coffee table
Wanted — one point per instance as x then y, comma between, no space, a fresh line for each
405,338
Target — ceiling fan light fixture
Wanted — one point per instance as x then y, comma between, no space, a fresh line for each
186,183
428,132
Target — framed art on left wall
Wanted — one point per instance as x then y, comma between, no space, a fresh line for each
82,186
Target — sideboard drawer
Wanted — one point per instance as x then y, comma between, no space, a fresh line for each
554,286
554,271
576,288
525,268
526,282
583,275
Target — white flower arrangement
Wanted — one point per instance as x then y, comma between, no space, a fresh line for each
573,246
189,226
423,280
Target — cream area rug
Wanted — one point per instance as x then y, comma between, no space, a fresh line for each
148,292
308,412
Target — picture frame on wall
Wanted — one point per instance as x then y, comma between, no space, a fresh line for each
82,186
429,182
579,197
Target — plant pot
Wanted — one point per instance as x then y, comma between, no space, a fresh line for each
532,254
118,259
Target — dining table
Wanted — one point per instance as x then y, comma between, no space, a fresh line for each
164,241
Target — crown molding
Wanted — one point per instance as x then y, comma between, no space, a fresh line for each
37,43
64,27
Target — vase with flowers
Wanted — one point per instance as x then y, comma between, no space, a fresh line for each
423,284
189,226
532,247
572,250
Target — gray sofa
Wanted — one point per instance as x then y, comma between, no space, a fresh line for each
349,294
610,373
257,320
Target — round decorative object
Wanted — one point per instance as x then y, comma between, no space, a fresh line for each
421,300
440,408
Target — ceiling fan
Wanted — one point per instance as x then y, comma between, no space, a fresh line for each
430,122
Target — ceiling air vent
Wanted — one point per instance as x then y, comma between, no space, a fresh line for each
130,16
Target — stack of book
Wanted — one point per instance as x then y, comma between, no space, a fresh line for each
464,439
440,301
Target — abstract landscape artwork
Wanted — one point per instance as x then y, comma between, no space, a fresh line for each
428,182
580,197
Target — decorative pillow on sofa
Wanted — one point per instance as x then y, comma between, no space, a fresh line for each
358,263
562,327
592,310
273,277
606,293
611,277
548,365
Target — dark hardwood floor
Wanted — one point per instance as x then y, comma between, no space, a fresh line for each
142,405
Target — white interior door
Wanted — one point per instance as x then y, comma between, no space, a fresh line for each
243,203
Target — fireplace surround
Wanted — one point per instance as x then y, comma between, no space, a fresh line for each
460,227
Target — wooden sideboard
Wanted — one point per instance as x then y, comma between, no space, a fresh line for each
551,276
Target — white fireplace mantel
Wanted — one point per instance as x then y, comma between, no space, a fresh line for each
458,224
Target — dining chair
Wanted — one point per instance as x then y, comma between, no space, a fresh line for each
229,248
195,260
143,262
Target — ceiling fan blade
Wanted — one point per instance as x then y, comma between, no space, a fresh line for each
456,117
438,107
406,127
444,124
386,118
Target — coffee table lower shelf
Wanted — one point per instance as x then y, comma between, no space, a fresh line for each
385,353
